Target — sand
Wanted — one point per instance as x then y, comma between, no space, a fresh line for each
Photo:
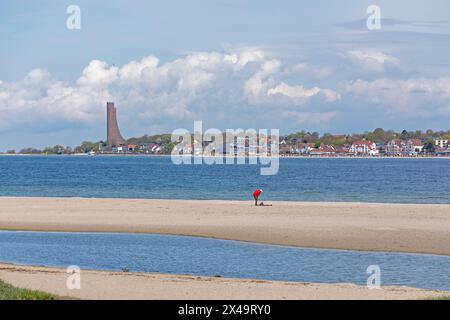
117,285
356,226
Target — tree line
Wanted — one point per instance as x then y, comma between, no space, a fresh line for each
379,136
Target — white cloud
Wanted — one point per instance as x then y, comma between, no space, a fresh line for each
143,88
256,87
247,55
371,60
212,86
133,71
298,93
264,88
407,96
318,73
293,91
98,74
302,95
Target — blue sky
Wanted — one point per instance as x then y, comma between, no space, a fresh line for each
292,65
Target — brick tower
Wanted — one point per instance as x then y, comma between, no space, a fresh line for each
113,136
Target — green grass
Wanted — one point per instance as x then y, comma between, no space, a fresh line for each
8,292
442,298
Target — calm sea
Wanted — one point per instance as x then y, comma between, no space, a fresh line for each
210,257
366,180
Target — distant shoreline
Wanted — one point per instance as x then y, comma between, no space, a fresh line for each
224,156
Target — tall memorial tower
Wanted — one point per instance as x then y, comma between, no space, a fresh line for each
113,136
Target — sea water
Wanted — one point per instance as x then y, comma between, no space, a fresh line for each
213,257
301,179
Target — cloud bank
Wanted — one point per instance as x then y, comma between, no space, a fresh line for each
242,87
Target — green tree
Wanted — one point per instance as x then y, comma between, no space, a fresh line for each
86,146
429,147
404,135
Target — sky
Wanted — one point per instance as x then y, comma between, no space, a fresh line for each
287,65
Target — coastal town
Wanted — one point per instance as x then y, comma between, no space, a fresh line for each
377,143
302,144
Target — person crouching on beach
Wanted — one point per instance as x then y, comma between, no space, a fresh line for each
256,195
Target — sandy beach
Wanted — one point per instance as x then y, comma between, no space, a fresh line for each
356,226
118,285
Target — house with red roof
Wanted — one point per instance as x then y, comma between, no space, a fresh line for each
323,150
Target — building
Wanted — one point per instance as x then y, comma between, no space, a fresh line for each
442,151
364,147
393,148
343,151
119,149
304,148
113,136
323,151
149,147
126,148
411,147
132,148
285,149
443,143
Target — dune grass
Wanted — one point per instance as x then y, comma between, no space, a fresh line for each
8,292
443,298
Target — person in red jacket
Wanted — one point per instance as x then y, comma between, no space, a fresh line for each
256,195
